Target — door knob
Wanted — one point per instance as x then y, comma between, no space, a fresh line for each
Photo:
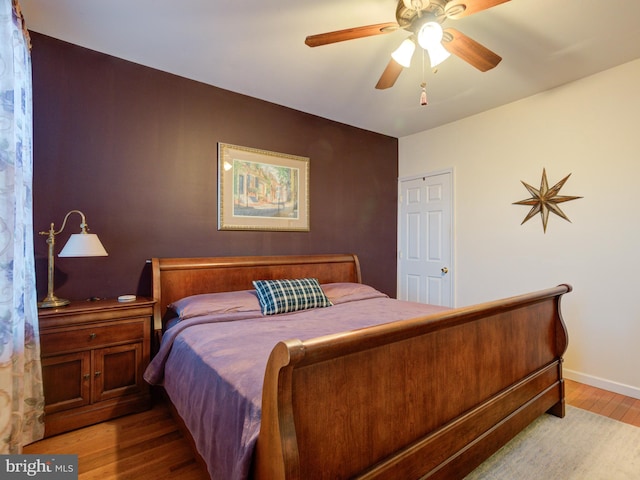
444,270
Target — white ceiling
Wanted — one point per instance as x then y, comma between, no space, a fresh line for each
257,48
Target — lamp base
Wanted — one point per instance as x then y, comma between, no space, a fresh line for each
52,301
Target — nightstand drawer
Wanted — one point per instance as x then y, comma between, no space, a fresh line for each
53,343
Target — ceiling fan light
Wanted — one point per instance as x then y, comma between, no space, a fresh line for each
437,54
430,34
404,52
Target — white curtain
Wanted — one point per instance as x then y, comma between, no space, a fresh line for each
21,396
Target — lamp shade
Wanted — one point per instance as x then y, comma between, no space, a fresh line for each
437,54
430,38
83,245
404,52
429,34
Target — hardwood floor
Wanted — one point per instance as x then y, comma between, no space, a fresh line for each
142,446
603,402
150,446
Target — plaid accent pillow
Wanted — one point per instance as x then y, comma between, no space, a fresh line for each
282,296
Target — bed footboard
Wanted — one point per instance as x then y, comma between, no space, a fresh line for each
430,397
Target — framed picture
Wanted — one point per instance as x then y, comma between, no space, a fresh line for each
262,190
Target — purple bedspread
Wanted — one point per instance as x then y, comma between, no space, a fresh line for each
212,368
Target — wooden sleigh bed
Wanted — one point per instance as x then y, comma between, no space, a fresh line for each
428,397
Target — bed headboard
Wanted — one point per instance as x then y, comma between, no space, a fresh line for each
176,278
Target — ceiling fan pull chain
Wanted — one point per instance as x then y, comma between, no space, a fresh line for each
423,94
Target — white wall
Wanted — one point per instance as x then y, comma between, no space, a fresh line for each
591,130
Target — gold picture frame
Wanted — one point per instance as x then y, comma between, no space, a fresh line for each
262,190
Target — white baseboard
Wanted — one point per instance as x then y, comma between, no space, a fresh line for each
597,382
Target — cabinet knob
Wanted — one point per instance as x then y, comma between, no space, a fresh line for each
98,373
92,336
86,376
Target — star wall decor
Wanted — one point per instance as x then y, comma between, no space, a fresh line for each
545,200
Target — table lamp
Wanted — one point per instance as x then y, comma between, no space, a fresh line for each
81,244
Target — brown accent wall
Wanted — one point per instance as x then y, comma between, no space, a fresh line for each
135,149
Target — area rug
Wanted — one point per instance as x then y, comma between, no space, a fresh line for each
580,446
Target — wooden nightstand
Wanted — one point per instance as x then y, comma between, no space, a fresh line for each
94,354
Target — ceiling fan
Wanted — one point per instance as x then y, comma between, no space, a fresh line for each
423,19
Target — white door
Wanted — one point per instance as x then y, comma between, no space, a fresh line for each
425,239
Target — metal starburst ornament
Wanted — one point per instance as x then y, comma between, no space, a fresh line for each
545,200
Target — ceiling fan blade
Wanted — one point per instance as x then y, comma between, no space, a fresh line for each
462,8
469,50
390,75
350,34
